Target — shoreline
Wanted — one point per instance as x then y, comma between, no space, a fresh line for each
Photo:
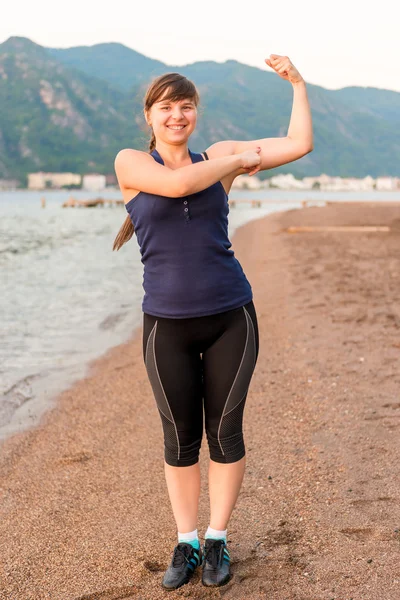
45,388
317,515
27,399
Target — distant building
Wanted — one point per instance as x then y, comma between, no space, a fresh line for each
311,182
111,180
387,183
94,182
286,182
8,184
350,184
42,181
340,184
368,183
244,182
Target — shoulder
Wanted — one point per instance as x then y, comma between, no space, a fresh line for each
127,156
135,169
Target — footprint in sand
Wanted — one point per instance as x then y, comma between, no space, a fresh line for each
358,533
348,314
371,501
153,566
129,591
379,417
79,457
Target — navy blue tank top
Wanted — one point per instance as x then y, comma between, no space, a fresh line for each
189,269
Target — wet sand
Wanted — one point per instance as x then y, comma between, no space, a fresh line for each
84,510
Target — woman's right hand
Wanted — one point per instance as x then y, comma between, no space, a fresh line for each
251,160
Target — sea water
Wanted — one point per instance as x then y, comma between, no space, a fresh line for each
66,298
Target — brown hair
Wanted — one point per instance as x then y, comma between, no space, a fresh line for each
175,87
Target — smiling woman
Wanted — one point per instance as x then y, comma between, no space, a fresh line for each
183,111
171,104
200,332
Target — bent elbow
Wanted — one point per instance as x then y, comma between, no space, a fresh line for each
181,192
307,149
180,187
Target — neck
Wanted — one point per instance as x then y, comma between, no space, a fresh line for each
173,156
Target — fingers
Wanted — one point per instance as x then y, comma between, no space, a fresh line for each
251,170
274,58
282,65
282,70
278,62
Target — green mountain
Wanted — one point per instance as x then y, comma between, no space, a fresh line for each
115,63
55,118
73,109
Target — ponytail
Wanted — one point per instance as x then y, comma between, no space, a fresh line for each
124,234
127,229
152,143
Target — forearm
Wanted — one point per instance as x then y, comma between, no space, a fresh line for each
198,176
300,126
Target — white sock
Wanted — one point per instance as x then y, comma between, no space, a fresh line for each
216,534
188,537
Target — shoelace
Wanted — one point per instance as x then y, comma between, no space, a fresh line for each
213,553
181,553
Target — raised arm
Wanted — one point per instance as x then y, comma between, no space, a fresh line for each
299,138
138,170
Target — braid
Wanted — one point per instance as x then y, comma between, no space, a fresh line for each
152,143
124,234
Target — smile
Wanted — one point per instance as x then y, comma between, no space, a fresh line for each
176,127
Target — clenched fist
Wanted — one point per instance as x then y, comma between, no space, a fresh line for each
251,160
284,67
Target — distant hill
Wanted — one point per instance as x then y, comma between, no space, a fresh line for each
73,109
115,63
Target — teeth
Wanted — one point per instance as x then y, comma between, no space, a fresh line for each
176,126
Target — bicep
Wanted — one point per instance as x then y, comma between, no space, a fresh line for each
139,171
274,151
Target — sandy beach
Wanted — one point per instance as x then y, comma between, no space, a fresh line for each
84,510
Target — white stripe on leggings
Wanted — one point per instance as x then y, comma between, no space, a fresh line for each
241,362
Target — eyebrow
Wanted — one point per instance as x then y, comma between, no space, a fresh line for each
183,102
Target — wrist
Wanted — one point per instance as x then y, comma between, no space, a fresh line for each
237,161
299,82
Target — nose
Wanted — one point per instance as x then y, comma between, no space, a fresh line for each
177,113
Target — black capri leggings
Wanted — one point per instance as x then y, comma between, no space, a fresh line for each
198,359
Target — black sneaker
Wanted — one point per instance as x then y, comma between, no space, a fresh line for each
216,563
184,561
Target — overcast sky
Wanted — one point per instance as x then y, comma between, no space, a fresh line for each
334,45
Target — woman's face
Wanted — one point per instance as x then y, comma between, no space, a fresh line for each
173,122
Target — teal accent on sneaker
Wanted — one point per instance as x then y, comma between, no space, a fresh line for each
208,537
184,561
195,543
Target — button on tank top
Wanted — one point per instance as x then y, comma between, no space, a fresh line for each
189,269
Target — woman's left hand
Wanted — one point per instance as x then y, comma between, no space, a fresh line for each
284,67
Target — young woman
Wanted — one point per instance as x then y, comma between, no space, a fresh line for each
200,334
